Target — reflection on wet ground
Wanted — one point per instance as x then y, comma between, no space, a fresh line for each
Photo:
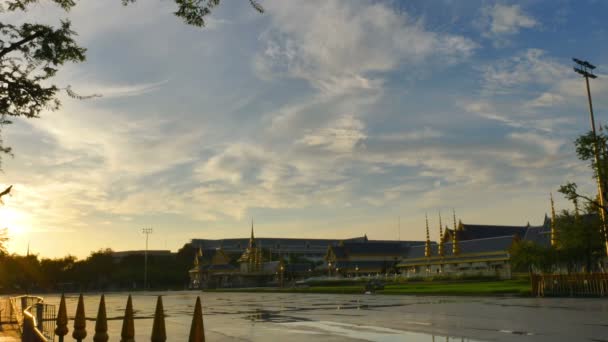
298,317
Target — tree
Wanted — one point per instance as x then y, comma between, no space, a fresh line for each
3,241
530,257
32,53
585,150
580,242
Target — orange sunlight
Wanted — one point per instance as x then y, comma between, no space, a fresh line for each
15,220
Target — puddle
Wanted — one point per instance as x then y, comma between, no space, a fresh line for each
366,332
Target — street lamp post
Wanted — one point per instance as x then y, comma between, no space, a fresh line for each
147,232
585,69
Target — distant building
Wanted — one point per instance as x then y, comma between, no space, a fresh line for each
151,253
471,249
212,269
370,257
311,249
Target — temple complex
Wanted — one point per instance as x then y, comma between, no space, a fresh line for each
460,250
471,250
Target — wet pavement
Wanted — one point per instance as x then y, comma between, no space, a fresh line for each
302,317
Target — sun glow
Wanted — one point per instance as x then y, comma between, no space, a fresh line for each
15,220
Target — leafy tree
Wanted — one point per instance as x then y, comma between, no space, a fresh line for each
585,151
580,242
3,241
529,256
32,53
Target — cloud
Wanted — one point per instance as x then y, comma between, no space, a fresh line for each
338,47
342,135
547,100
486,110
425,133
109,91
499,21
531,66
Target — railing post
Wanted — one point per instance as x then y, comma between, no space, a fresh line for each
62,320
128,328
197,329
159,333
101,323
80,323
39,316
27,334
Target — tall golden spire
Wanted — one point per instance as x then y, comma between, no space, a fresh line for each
427,245
455,247
195,260
553,228
440,236
252,238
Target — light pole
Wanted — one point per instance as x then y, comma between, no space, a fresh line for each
585,69
147,232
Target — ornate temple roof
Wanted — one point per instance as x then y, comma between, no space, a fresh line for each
479,231
492,244
372,249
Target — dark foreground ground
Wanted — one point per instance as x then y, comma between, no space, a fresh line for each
357,317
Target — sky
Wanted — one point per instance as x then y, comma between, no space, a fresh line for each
318,119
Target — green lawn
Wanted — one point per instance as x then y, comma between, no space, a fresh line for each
452,288
511,287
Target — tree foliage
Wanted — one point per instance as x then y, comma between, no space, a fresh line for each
32,53
580,241
3,241
585,151
99,271
531,257
579,246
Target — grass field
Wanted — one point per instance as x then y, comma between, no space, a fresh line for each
453,288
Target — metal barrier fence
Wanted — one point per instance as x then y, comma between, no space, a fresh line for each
45,319
6,312
34,318
18,306
570,285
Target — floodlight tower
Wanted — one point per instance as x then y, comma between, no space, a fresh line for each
585,69
147,232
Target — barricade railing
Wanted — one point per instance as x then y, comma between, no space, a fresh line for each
6,312
34,318
38,320
19,304
570,285
127,334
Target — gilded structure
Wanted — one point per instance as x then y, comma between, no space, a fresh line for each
251,259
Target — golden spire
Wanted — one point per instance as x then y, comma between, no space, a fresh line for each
195,260
427,245
440,236
252,238
200,252
455,247
553,228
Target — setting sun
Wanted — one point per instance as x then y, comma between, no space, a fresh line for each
16,221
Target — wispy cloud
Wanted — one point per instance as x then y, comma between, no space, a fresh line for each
499,21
